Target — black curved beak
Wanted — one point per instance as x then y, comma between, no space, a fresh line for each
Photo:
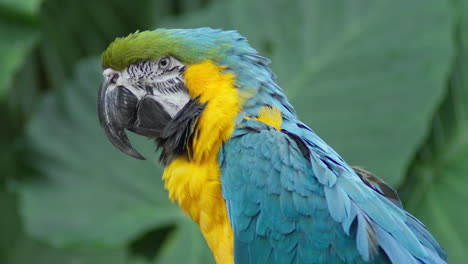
117,108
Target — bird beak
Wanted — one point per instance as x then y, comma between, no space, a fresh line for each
149,114
120,109
116,110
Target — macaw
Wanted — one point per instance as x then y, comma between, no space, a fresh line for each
260,184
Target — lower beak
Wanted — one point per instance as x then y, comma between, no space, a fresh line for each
117,111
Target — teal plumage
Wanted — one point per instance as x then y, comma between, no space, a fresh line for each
290,197
282,211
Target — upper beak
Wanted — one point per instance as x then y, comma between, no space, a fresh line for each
117,110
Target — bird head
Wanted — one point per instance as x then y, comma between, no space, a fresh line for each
162,83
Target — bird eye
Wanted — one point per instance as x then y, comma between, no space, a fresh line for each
164,62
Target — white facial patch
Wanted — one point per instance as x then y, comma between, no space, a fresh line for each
161,80
173,102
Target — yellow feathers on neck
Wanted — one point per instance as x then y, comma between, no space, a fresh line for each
195,182
212,85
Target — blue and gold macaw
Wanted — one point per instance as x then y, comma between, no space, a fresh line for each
260,184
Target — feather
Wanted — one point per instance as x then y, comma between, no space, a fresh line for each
314,209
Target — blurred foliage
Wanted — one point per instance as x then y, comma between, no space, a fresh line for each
384,82
435,189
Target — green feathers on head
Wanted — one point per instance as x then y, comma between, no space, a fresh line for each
188,46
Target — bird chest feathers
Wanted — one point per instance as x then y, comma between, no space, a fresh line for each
194,182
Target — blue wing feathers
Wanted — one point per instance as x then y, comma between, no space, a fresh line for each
395,252
348,221
287,205
324,175
391,220
288,208
245,249
303,204
338,203
424,236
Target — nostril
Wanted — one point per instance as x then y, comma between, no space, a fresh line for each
112,74
114,78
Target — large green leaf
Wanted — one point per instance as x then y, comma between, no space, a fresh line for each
73,29
15,45
366,75
28,251
9,223
197,253
16,248
438,181
87,193
23,8
19,34
9,154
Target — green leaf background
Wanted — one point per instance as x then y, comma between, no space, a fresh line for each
384,82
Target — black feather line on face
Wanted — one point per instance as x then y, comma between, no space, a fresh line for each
177,136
